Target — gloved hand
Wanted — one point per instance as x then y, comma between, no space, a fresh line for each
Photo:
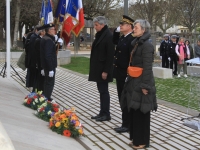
160,57
42,72
155,108
118,29
51,73
169,58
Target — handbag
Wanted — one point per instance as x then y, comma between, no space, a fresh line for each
21,61
131,70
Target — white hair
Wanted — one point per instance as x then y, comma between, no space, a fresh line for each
100,19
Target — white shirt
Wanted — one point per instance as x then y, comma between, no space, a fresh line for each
127,34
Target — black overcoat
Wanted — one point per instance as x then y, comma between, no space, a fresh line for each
132,95
101,58
48,56
122,55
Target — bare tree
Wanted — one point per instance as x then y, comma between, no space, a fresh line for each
149,10
171,15
189,10
17,17
93,8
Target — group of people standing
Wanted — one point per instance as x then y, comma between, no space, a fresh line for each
111,56
41,59
174,51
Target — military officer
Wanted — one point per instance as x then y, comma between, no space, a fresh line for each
121,62
48,59
40,71
164,51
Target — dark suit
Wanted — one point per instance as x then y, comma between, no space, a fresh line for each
48,62
164,52
30,60
101,60
121,62
173,57
39,79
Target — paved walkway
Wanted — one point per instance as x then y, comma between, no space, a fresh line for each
26,131
73,89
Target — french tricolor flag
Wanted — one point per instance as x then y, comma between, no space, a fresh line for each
74,17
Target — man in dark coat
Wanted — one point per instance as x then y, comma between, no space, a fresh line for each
40,71
101,65
121,62
48,59
30,58
164,51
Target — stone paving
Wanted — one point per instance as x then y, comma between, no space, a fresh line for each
73,89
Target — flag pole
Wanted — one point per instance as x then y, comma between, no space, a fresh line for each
8,38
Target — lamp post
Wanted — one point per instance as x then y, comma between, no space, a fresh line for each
126,7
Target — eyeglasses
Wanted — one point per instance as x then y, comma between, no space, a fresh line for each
52,29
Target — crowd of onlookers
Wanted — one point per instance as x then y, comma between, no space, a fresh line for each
175,51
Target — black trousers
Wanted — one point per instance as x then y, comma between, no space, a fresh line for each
40,81
49,84
125,113
104,98
173,64
165,61
139,127
31,77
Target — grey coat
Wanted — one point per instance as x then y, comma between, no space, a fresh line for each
132,95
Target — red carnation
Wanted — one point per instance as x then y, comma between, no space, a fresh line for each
55,109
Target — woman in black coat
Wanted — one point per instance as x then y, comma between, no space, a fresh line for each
139,94
101,65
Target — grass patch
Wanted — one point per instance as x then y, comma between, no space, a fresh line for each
180,91
177,90
78,64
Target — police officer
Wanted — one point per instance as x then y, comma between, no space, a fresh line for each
121,62
172,54
164,51
48,59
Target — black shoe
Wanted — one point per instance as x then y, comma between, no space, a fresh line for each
96,117
104,118
121,129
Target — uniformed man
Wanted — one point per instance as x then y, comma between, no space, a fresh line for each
164,51
173,55
40,71
121,62
48,59
30,61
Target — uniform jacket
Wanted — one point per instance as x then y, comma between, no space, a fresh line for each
164,48
132,95
48,52
101,57
32,53
122,55
172,49
37,49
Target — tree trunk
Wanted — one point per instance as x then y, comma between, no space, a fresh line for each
20,30
17,17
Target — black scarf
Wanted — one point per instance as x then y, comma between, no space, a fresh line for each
98,34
